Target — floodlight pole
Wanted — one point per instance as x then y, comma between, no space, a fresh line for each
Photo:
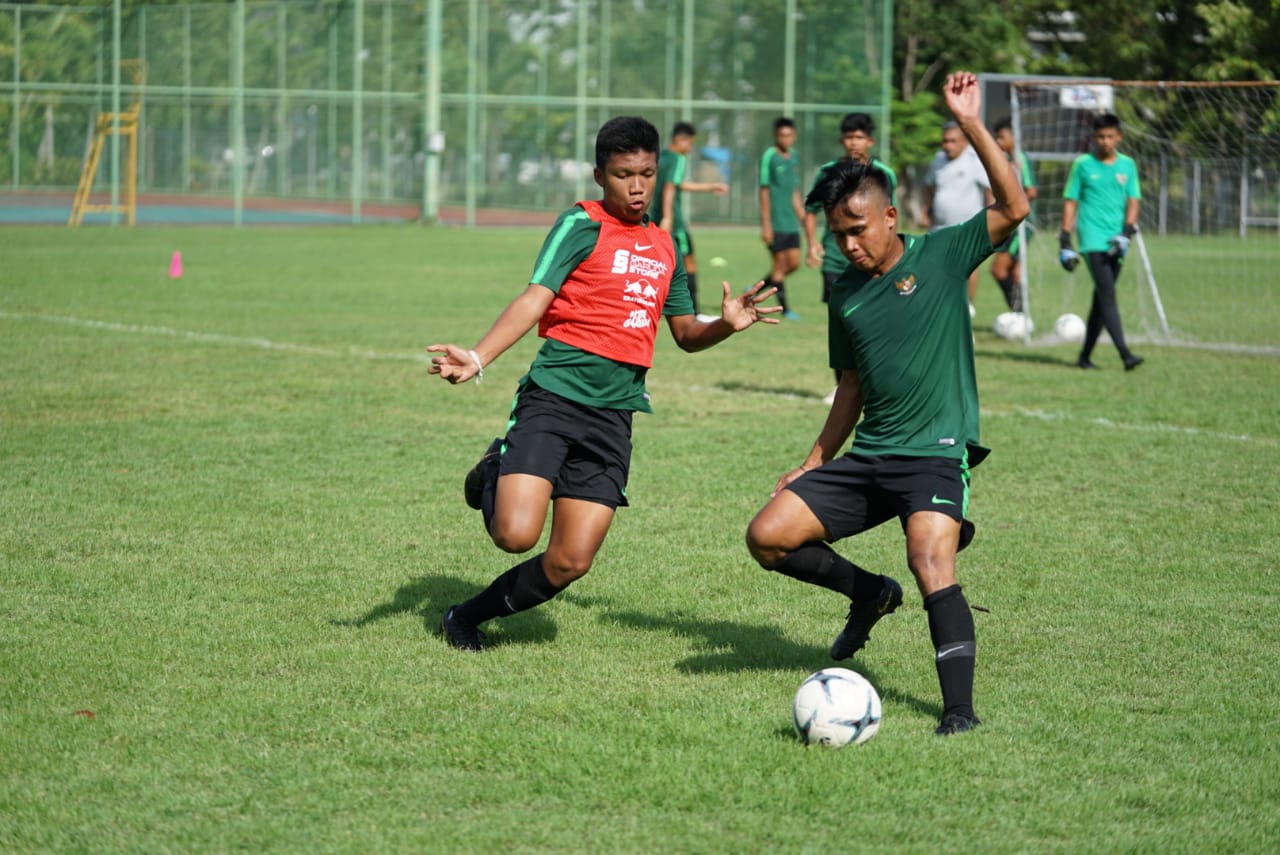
431,142
115,112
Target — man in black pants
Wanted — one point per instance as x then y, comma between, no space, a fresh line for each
1101,203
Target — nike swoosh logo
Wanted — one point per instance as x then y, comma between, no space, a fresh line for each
938,501
854,309
943,654
640,248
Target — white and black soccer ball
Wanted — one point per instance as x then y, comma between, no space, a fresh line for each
836,707
1013,325
1070,328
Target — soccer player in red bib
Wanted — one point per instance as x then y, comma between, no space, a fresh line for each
605,277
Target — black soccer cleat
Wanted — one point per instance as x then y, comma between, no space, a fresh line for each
458,634
473,484
863,616
1132,361
1085,363
956,723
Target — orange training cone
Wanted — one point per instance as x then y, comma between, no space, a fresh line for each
175,266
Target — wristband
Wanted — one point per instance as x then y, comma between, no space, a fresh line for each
1129,230
479,365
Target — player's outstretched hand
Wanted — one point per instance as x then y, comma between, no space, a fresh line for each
962,95
813,258
720,188
457,365
744,310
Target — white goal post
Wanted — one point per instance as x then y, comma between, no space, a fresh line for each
1208,156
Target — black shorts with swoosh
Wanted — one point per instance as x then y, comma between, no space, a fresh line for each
856,492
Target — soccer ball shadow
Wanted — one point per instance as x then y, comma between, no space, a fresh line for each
429,596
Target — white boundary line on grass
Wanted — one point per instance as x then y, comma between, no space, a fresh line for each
216,338
361,353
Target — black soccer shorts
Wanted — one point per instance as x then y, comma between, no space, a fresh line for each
782,241
856,493
584,451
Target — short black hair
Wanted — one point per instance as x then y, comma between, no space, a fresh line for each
684,129
846,178
783,122
1005,124
1106,120
854,122
623,135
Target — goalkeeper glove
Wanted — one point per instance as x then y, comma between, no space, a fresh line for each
1120,243
1067,256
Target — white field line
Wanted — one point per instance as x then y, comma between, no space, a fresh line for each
362,353
218,338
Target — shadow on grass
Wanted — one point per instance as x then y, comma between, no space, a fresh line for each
428,597
741,647
1025,356
734,386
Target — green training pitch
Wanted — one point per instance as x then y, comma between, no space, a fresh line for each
232,515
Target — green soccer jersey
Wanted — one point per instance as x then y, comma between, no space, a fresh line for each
907,334
671,169
832,260
574,373
780,173
1028,174
1103,191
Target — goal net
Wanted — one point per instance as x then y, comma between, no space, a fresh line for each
1206,272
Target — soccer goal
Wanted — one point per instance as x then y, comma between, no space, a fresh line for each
1206,272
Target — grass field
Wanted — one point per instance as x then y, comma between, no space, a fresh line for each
232,513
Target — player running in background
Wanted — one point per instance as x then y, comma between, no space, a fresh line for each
781,209
1101,203
667,210
955,188
857,137
605,277
1006,264
899,330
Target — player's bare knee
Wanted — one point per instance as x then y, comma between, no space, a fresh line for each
512,538
563,569
765,541
933,570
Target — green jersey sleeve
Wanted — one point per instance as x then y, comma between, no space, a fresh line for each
1072,189
679,300
1028,174
765,160
677,171
965,244
1132,187
567,245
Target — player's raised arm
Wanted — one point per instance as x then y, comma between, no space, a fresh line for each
1011,206
459,365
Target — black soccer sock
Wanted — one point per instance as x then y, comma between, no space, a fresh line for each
693,289
782,291
522,587
819,564
1012,293
955,648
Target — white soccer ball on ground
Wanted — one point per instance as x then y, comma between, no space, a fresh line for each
836,707
717,261
1070,328
1013,325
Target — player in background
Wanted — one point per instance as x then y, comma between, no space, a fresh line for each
781,209
605,277
955,188
667,210
857,138
899,330
1006,264
1101,203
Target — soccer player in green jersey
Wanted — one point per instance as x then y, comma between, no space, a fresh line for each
781,209
604,277
857,137
899,330
1006,264
673,182
1101,203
